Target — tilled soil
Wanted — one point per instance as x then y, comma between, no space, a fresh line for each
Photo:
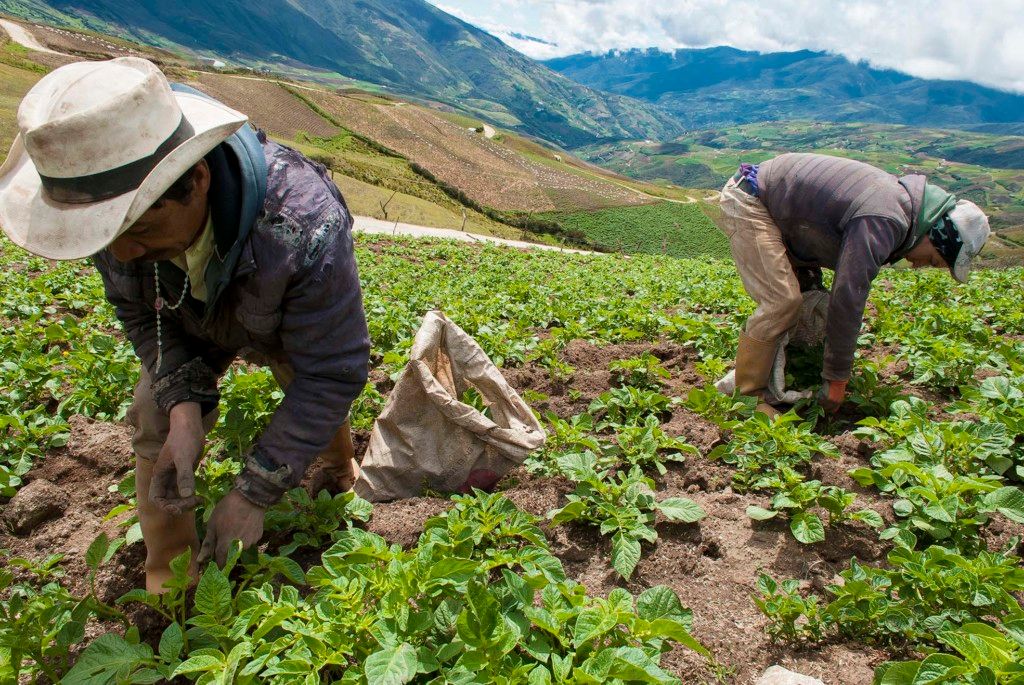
713,565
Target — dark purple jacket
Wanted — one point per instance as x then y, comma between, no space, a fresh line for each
291,294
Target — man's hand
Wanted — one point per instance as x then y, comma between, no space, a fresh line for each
832,395
173,487
234,518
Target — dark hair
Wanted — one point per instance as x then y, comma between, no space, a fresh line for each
181,190
946,239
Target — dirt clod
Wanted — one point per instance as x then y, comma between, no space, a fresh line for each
105,446
34,504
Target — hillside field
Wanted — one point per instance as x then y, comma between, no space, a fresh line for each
662,535
396,160
666,228
985,168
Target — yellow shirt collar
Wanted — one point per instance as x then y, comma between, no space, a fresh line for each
194,260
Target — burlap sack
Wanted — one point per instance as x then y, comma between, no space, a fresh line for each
808,331
427,438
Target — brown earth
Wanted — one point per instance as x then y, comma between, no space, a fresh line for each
271,107
713,565
485,169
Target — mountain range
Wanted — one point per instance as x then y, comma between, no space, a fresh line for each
413,49
723,86
408,46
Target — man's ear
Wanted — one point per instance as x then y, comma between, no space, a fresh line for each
201,178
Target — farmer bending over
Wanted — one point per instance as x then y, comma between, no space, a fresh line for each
213,243
802,212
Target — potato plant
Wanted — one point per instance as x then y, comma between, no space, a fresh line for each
623,506
480,598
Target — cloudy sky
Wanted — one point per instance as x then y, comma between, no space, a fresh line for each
976,40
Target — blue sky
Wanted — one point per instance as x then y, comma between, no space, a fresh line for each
977,40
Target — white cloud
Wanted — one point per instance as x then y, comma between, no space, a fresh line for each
980,40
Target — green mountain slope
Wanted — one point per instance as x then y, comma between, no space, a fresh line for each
986,168
408,46
723,86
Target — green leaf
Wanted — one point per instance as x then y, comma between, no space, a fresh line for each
539,676
561,666
625,554
392,666
870,517
760,513
898,673
903,508
133,534
937,668
807,528
590,624
681,509
290,569
902,537
632,664
570,512
94,556
455,569
659,602
139,595
213,594
673,629
1008,501
200,663
110,659
944,510
171,643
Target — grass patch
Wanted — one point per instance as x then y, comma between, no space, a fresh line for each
14,83
365,200
669,228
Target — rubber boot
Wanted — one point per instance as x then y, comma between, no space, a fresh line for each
754,359
339,469
166,535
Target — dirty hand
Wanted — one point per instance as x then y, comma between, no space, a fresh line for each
832,395
234,518
173,487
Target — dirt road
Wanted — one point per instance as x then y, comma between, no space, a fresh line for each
20,35
366,224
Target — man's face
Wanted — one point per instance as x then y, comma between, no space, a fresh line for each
167,230
924,254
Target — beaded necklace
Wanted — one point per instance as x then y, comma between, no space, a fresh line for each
159,303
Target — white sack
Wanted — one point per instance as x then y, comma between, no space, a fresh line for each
809,331
427,438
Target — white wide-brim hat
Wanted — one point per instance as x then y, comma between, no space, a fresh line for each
100,125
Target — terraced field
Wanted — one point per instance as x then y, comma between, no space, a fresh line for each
488,171
400,161
268,104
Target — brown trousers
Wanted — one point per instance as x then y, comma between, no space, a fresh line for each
763,264
167,535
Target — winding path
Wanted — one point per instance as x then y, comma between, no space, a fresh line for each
20,35
366,224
